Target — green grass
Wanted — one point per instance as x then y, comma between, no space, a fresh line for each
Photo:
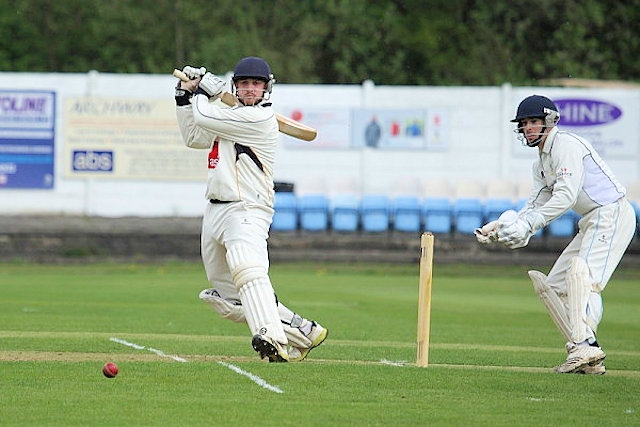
491,354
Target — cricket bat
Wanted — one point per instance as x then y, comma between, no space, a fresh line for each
286,125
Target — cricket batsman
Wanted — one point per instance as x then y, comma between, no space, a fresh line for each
241,141
569,174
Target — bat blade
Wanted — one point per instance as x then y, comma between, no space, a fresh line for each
285,124
296,129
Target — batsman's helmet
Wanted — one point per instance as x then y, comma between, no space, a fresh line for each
255,68
539,107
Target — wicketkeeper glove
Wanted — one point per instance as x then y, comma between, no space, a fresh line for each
487,234
210,85
517,233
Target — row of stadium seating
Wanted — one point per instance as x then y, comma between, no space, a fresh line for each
381,213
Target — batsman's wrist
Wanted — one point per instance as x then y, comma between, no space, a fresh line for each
182,96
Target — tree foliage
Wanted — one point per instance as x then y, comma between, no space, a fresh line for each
399,42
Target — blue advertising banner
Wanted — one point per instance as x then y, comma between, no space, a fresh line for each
27,134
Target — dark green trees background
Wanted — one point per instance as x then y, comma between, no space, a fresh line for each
401,42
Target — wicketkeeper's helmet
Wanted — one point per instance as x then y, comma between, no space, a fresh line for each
540,107
536,106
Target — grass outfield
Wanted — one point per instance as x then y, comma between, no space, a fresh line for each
491,356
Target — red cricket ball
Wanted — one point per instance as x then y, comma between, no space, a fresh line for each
110,370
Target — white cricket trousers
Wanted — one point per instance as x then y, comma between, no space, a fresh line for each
224,224
603,237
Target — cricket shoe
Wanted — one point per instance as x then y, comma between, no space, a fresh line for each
580,357
268,347
597,369
317,335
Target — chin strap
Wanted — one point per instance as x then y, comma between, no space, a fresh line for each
536,141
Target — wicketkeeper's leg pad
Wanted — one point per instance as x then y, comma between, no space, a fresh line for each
555,306
579,289
594,311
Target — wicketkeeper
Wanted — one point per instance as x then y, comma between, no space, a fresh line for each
240,192
569,174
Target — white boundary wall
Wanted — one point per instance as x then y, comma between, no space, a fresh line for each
481,145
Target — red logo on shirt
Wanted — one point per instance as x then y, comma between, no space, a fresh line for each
214,157
563,172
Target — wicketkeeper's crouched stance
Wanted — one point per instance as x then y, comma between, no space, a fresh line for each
569,174
240,191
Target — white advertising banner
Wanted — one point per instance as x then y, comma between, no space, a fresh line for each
333,126
373,128
608,119
609,122
127,139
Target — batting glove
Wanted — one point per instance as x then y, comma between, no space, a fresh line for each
183,95
516,234
193,72
211,85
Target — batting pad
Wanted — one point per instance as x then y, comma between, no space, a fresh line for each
245,264
223,307
292,327
235,313
552,302
578,290
261,310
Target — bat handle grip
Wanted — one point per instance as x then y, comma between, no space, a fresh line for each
225,97
179,74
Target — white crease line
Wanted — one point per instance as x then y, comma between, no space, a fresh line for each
152,350
161,354
127,343
391,363
256,379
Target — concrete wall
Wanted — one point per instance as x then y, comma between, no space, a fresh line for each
481,146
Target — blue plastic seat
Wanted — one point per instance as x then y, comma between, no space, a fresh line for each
437,215
406,211
285,217
563,226
493,207
345,212
313,212
375,213
468,214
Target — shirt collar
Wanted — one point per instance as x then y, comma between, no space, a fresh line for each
548,142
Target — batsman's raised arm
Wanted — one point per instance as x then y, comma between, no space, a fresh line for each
252,123
192,135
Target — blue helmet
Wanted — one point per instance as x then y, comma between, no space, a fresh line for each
254,68
537,106
540,107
